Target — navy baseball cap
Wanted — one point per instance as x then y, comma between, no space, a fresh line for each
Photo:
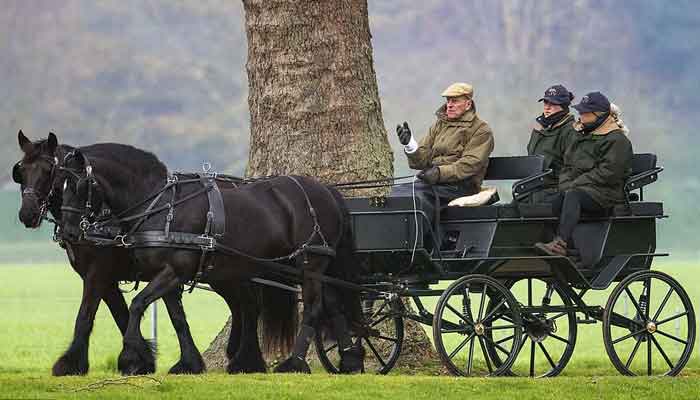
557,94
593,102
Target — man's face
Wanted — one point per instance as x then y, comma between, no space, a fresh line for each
456,106
550,108
588,117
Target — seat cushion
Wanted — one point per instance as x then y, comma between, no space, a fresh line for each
460,213
640,209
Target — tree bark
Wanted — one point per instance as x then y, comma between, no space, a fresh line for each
314,103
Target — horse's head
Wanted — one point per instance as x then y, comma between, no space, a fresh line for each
36,174
83,195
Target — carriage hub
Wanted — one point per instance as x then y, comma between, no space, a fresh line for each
479,329
651,327
540,329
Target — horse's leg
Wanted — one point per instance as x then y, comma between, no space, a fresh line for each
249,356
136,357
75,360
117,307
191,361
243,348
234,340
312,295
351,354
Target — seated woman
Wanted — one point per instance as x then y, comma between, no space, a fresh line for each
453,156
596,165
550,137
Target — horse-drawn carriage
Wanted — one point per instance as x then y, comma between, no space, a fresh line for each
509,310
227,232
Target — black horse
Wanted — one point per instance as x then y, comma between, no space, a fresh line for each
296,219
42,183
100,269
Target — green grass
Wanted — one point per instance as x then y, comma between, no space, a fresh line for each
38,304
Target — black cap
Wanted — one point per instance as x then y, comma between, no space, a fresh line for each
557,94
593,102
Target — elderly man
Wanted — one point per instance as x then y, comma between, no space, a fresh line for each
453,156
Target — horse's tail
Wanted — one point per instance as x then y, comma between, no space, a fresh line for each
279,315
345,265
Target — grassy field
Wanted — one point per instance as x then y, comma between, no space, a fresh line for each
37,310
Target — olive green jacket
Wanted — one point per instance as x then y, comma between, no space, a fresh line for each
598,163
552,143
460,148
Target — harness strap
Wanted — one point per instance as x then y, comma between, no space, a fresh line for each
216,206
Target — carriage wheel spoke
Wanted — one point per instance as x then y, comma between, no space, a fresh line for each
500,327
662,333
376,353
481,305
470,360
493,311
663,353
498,346
648,356
634,352
486,356
559,338
532,358
388,339
529,292
546,354
456,330
376,313
634,301
646,312
457,313
623,338
561,314
331,348
460,347
663,303
379,321
669,319
505,339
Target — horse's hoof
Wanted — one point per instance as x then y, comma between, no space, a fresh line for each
183,368
352,360
131,363
293,365
235,368
67,366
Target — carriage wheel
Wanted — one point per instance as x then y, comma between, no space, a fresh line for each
649,313
549,334
382,338
463,327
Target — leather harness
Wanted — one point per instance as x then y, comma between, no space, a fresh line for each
103,228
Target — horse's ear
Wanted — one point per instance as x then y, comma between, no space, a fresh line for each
52,141
78,157
24,143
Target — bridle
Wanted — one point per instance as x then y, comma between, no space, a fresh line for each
87,213
29,191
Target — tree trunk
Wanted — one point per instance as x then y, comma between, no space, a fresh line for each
313,100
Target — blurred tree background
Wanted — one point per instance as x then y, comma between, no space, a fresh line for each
169,76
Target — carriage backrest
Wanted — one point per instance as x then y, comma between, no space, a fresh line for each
512,168
643,162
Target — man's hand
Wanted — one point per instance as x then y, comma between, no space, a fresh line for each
404,133
430,176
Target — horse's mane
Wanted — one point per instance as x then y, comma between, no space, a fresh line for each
127,156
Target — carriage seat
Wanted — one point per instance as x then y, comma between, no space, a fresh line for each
528,171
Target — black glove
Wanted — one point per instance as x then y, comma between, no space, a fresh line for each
404,133
430,176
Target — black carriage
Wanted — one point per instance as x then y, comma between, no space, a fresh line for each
507,309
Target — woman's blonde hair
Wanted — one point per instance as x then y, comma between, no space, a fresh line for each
616,113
